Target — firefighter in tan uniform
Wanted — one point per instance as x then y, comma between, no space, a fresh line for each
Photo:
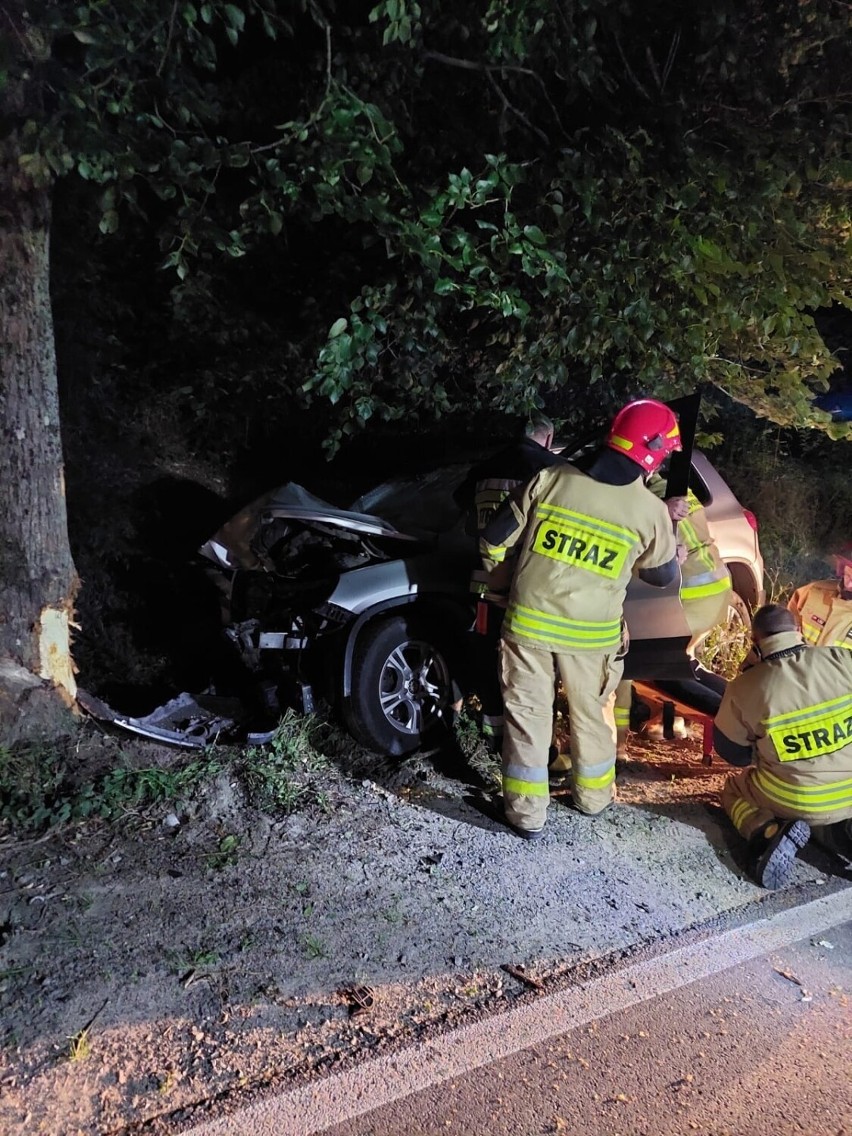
580,536
788,719
824,607
705,592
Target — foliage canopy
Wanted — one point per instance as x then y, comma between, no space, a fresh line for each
483,202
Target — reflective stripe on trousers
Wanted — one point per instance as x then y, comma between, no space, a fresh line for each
807,801
748,805
623,703
700,587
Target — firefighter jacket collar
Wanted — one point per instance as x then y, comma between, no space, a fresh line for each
782,643
613,468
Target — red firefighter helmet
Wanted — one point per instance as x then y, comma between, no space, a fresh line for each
645,431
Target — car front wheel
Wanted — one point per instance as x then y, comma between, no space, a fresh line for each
402,686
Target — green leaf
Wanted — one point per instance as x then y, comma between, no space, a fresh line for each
709,249
109,222
338,327
236,16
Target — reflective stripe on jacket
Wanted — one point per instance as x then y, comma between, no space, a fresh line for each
579,542
795,711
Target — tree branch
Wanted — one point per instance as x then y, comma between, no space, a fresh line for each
488,69
652,63
471,65
630,72
518,113
671,56
167,48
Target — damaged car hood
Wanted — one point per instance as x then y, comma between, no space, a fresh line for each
231,546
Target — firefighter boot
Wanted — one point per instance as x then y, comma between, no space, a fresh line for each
494,810
774,849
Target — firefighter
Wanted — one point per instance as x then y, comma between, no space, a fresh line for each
788,720
706,593
579,536
488,483
823,608
482,492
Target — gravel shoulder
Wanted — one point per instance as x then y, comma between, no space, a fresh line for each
151,971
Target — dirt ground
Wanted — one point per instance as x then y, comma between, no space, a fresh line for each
186,957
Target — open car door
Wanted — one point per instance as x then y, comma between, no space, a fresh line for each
655,618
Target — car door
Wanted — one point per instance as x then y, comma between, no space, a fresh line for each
655,618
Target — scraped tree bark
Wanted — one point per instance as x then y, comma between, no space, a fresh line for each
38,581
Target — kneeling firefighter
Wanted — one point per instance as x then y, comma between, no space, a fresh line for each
788,721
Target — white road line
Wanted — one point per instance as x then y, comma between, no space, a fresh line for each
317,1107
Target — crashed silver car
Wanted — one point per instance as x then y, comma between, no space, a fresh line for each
369,608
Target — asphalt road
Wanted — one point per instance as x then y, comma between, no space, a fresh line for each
763,1048
748,1033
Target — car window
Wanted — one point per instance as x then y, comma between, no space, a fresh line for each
699,487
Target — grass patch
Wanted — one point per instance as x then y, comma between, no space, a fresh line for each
724,650
79,1046
226,854
482,758
314,947
40,783
36,790
288,772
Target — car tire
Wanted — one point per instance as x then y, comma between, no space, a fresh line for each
402,686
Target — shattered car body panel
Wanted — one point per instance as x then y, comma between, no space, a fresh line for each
189,720
233,546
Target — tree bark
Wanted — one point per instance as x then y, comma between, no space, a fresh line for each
38,581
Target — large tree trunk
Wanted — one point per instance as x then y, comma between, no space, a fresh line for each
38,581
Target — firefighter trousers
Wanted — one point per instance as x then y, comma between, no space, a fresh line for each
589,680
